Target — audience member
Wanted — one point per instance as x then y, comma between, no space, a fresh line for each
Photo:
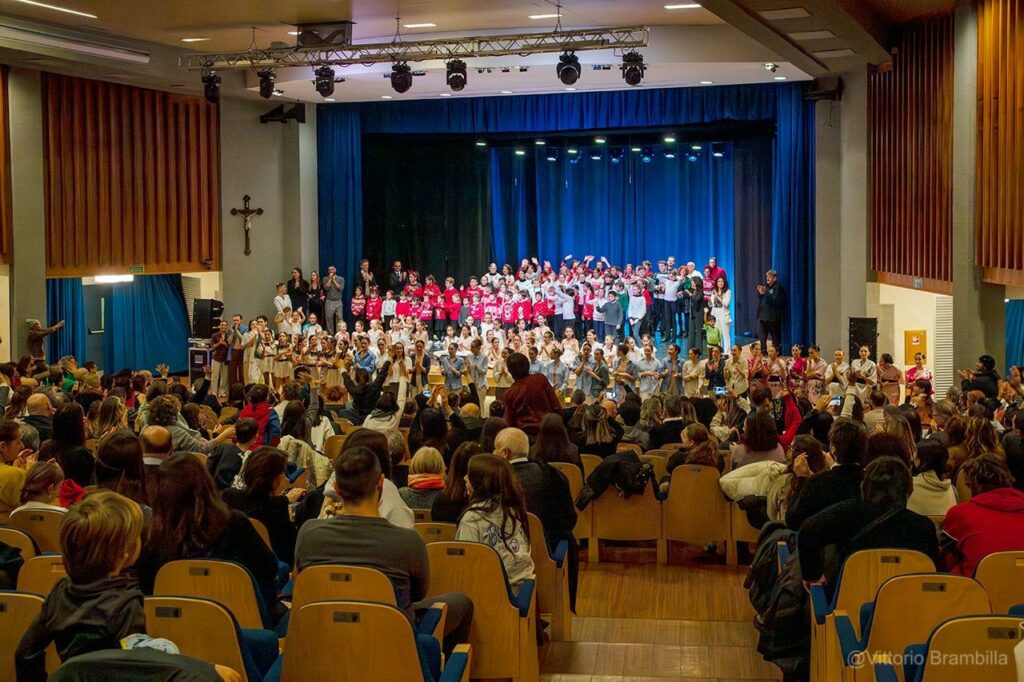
601,435
67,446
40,415
933,493
119,466
553,444
426,479
529,398
449,505
14,461
847,441
42,487
671,428
760,441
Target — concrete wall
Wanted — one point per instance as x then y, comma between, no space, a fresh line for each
266,162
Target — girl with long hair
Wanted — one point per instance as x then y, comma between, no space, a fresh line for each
119,466
448,506
496,516
266,500
67,446
553,444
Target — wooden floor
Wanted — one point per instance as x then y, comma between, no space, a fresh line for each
644,622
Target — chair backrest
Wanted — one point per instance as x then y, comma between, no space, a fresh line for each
333,445
436,532
227,413
637,517
17,611
671,447
629,447
350,641
909,607
660,452
201,628
695,511
864,572
659,464
261,530
983,644
574,476
16,537
345,425
590,463
39,574
1002,576
42,524
341,583
224,582
422,515
963,491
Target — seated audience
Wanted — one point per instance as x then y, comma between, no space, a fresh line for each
14,461
165,411
358,536
295,442
67,446
991,521
778,483
496,516
601,434
727,423
698,449
119,466
629,412
226,461
265,497
492,426
268,420
1013,446
760,441
671,428
553,444
42,487
933,493
847,441
40,415
426,479
449,505
113,417
879,519
191,522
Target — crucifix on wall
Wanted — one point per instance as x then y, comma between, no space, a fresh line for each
247,216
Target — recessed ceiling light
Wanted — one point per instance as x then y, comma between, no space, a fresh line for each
329,99
707,82
194,40
539,143
481,143
635,149
696,147
669,155
520,152
833,54
670,139
570,89
812,35
58,9
425,24
446,94
780,78
785,13
385,96
506,92
685,5
544,16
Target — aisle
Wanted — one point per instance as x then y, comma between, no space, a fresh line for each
647,623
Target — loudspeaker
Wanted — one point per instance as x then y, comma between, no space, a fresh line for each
197,359
863,332
206,314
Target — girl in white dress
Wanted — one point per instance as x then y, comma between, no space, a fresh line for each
863,373
837,375
721,300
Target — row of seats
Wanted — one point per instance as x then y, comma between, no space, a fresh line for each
888,600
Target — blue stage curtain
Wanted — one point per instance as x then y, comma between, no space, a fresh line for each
65,301
340,127
1014,333
147,324
513,205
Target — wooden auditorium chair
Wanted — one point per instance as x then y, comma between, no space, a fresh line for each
695,511
202,629
859,578
583,518
904,612
42,524
961,649
333,445
17,611
225,582
39,574
19,539
635,518
1002,576
354,641
552,581
436,532
504,630
261,530
422,515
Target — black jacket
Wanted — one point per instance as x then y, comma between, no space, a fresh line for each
770,304
364,399
80,619
986,383
547,496
42,423
838,484
668,432
272,512
224,463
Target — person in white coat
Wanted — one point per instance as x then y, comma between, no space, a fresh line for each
933,493
721,302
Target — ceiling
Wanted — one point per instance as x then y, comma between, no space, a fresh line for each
900,11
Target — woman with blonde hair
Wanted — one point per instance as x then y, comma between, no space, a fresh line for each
426,479
652,413
979,437
113,417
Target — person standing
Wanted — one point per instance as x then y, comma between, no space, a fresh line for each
36,334
333,288
396,278
696,311
769,311
298,290
236,342
613,314
219,360
478,362
721,300
452,367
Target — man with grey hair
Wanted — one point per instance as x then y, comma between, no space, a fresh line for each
36,334
769,311
30,437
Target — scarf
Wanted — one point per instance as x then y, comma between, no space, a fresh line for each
426,481
70,493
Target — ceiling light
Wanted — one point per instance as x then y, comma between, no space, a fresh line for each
193,40
615,156
685,5
544,16
520,152
669,138
211,87
595,157
426,24
329,99
718,150
573,150
771,67
633,68
506,92
669,155
481,143
570,89
385,96
401,77
57,9
323,78
834,54
812,35
456,74
539,143
707,82
113,279
785,13
636,150
647,156
780,78
600,140
568,68
552,155
267,83
696,147
692,158
278,92
446,94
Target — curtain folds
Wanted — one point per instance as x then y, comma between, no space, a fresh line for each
1014,332
147,324
65,301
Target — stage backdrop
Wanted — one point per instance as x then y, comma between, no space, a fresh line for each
560,221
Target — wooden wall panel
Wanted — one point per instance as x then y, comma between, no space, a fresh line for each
910,109
5,173
1000,153
131,179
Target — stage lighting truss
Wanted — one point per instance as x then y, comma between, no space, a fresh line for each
444,49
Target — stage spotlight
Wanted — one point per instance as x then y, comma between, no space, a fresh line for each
211,87
520,152
573,151
718,150
481,143
568,68
647,155
324,80
266,83
633,68
456,74
696,147
692,158
669,155
401,77
771,67
615,155
552,154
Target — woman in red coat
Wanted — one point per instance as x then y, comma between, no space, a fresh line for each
991,521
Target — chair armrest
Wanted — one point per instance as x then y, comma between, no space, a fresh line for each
819,604
457,667
884,672
848,643
432,622
560,551
522,600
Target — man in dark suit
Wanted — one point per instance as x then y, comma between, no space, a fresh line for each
396,278
769,311
847,443
547,496
671,429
